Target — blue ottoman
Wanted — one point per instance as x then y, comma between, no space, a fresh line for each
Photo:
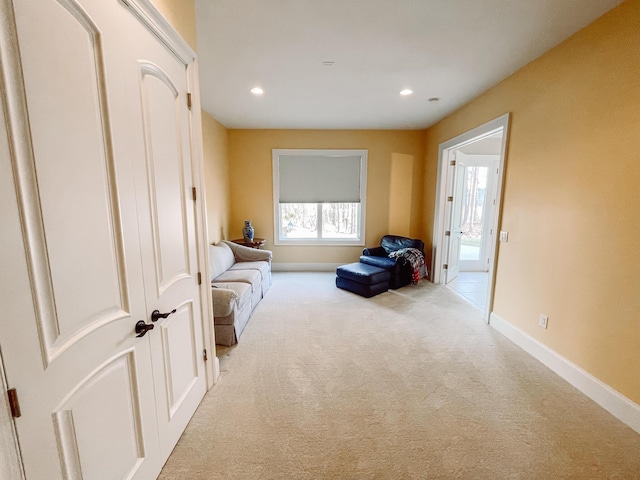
363,279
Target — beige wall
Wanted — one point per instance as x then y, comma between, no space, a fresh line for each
401,194
216,177
181,14
572,196
251,188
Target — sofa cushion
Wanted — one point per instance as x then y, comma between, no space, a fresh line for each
262,267
252,277
228,296
220,259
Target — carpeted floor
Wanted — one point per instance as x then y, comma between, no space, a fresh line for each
410,384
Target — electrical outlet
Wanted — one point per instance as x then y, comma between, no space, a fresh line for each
504,236
544,320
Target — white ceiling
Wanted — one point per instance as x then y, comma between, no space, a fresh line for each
450,49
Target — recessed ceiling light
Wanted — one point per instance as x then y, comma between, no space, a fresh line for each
434,99
328,64
406,91
257,91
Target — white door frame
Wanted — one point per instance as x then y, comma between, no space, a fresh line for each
441,216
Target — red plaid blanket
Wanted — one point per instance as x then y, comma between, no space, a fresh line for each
415,258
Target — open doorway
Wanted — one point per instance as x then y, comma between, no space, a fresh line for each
470,177
474,206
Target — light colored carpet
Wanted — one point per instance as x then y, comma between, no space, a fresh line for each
410,384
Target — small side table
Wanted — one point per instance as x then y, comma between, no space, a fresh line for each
257,242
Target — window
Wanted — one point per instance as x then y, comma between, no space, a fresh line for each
319,196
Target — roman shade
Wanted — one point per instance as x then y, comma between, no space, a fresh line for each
319,178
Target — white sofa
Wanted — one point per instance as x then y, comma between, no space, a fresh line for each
240,277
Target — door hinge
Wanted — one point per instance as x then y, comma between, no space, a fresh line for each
449,199
14,403
447,233
204,355
189,101
199,278
194,194
452,163
445,267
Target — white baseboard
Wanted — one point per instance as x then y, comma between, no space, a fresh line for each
216,370
605,396
305,267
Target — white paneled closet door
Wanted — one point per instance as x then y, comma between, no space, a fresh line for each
98,232
157,84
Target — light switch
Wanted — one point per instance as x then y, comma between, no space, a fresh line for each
504,236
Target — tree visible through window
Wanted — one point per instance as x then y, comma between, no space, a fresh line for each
320,220
475,189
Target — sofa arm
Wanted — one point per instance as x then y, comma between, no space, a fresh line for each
224,300
375,252
247,254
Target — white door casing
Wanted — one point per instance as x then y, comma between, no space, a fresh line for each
93,224
439,244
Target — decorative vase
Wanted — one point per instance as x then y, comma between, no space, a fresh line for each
247,231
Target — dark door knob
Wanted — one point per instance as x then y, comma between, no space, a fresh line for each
142,328
156,315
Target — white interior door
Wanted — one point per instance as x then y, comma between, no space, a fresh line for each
479,194
85,382
455,228
168,235
97,232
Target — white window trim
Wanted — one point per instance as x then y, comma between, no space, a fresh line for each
276,198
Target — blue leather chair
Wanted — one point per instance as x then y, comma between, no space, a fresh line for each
399,268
